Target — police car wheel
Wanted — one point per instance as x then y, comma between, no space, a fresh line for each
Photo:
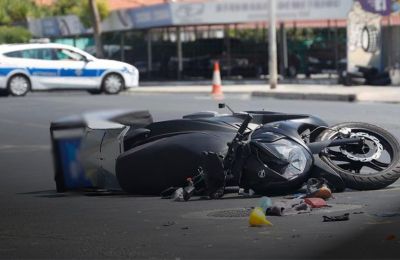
19,85
113,84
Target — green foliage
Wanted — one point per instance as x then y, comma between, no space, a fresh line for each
14,34
17,11
80,8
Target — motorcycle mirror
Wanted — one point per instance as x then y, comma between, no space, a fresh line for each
223,105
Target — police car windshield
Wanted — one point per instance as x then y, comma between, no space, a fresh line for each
64,54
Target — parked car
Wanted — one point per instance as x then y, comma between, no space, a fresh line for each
49,66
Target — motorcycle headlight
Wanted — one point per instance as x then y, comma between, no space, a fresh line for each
131,69
293,158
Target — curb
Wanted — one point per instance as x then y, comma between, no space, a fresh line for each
308,96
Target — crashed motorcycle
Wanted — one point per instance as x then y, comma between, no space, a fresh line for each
206,152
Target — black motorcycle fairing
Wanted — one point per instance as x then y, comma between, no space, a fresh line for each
265,181
154,166
284,129
163,129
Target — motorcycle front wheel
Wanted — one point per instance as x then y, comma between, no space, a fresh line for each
374,164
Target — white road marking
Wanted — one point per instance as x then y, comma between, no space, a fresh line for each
23,123
13,148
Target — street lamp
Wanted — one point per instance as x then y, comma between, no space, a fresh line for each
273,71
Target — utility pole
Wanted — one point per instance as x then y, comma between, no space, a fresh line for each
273,71
96,28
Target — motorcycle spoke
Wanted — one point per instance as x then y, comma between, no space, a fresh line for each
337,156
380,164
352,167
373,166
345,166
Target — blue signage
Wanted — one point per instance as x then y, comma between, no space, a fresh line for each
152,16
382,7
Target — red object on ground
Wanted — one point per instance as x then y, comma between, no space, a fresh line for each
316,202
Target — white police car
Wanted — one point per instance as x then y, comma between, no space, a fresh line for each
25,67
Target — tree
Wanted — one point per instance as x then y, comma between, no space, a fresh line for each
96,28
79,8
14,15
15,34
98,10
17,11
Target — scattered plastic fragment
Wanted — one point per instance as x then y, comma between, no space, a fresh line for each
178,195
391,237
265,203
317,188
282,208
169,223
275,211
257,218
388,214
246,193
343,217
315,202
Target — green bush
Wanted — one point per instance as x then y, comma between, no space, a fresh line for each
14,34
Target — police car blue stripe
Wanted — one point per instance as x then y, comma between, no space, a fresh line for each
81,73
57,73
5,71
43,72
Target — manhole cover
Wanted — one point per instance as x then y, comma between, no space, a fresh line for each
245,212
230,213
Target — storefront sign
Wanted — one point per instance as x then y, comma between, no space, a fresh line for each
382,7
56,26
152,16
239,11
200,13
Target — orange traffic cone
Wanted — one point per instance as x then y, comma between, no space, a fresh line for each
216,83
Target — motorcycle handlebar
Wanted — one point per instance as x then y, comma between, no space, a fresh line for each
244,125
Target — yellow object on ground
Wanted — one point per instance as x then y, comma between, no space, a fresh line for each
257,218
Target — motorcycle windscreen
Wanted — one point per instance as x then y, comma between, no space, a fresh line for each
153,167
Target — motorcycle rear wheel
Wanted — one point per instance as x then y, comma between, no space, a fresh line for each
351,162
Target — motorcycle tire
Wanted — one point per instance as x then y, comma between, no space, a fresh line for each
370,181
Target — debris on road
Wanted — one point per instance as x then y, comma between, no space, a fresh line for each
257,218
318,188
168,224
343,217
178,195
391,237
285,207
388,214
316,202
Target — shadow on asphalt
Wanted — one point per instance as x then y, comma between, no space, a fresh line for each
55,194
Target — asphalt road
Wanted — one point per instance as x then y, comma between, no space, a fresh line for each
36,222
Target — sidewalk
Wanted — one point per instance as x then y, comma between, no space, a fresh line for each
390,94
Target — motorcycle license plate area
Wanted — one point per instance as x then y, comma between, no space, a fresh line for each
73,172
